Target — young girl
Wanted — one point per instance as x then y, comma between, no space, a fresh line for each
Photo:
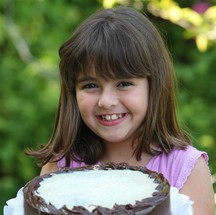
117,104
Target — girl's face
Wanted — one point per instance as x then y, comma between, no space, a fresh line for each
112,109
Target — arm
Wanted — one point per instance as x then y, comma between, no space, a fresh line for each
199,188
48,168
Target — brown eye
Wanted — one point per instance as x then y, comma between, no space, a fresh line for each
90,86
124,84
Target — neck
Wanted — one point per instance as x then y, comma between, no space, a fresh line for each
124,153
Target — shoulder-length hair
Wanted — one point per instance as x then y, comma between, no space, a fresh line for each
120,43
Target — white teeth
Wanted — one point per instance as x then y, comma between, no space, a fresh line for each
112,117
108,117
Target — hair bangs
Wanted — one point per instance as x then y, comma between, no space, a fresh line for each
109,51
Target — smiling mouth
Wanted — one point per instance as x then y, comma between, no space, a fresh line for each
112,117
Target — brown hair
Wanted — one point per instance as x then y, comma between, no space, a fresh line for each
122,43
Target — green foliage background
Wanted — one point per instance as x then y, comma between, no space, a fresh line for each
31,32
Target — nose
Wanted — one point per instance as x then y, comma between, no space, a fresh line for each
108,98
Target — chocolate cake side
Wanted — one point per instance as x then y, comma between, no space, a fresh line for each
159,204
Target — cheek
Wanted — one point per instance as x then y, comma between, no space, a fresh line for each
137,102
82,101
139,99
86,103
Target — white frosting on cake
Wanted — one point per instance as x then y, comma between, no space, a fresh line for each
96,187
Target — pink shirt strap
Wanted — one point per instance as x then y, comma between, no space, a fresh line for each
177,165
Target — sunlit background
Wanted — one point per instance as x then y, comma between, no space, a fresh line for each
31,32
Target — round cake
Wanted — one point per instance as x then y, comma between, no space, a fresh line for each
98,189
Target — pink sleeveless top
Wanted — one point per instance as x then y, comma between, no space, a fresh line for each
175,166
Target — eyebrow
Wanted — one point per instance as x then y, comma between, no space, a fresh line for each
85,79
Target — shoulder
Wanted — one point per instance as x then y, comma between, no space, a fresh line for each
199,188
189,152
60,164
49,168
178,164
